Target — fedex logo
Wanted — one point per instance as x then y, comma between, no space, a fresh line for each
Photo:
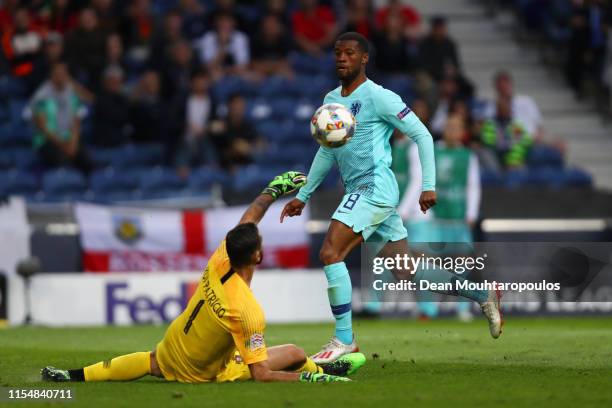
126,305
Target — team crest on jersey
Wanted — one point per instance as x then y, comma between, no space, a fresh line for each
256,341
127,228
355,107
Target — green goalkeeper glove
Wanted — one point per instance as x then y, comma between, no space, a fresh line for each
285,183
305,376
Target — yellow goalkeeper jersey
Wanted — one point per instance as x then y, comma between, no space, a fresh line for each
220,331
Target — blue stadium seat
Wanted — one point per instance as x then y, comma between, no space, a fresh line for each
307,64
21,158
64,183
401,85
139,155
229,85
274,87
284,108
546,177
100,156
15,135
544,156
275,130
515,178
203,178
111,180
16,110
159,181
576,177
16,182
490,178
255,177
11,87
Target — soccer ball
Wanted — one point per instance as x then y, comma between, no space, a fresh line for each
332,125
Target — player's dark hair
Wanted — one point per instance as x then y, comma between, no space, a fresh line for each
353,36
241,243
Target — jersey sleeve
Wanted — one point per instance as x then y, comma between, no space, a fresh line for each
321,165
247,329
391,109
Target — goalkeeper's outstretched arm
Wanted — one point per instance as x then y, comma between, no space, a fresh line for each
282,184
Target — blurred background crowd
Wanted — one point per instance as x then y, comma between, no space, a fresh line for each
117,100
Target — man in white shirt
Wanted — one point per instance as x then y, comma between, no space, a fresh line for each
224,50
524,108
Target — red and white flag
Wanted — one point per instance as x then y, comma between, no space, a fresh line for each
115,239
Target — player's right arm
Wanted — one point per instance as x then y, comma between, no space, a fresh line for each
261,372
281,185
322,163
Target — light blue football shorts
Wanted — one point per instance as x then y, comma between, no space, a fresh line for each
366,217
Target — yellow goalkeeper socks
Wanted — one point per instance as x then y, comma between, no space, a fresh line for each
310,366
122,368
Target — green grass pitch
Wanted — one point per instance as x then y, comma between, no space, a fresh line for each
537,362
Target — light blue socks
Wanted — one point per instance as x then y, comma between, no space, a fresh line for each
340,292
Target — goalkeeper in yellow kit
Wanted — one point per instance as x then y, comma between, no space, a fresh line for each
219,337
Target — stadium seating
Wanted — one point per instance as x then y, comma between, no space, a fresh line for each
18,182
203,178
63,184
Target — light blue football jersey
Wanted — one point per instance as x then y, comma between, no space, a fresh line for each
365,161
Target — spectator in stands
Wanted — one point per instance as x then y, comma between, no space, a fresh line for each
587,45
107,19
393,53
460,109
279,9
359,17
7,12
222,7
85,49
524,108
197,148
438,51
57,16
53,52
57,114
410,17
147,112
448,92
136,28
21,46
111,121
194,19
224,50
176,73
235,137
165,39
314,27
114,51
506,137
271,48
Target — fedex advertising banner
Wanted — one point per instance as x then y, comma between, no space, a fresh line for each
116,239
143,298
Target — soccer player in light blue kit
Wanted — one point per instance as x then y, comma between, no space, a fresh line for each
371,191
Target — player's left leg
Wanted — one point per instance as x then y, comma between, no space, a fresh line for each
123,368
488,300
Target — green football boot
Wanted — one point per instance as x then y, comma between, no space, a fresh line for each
346,365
